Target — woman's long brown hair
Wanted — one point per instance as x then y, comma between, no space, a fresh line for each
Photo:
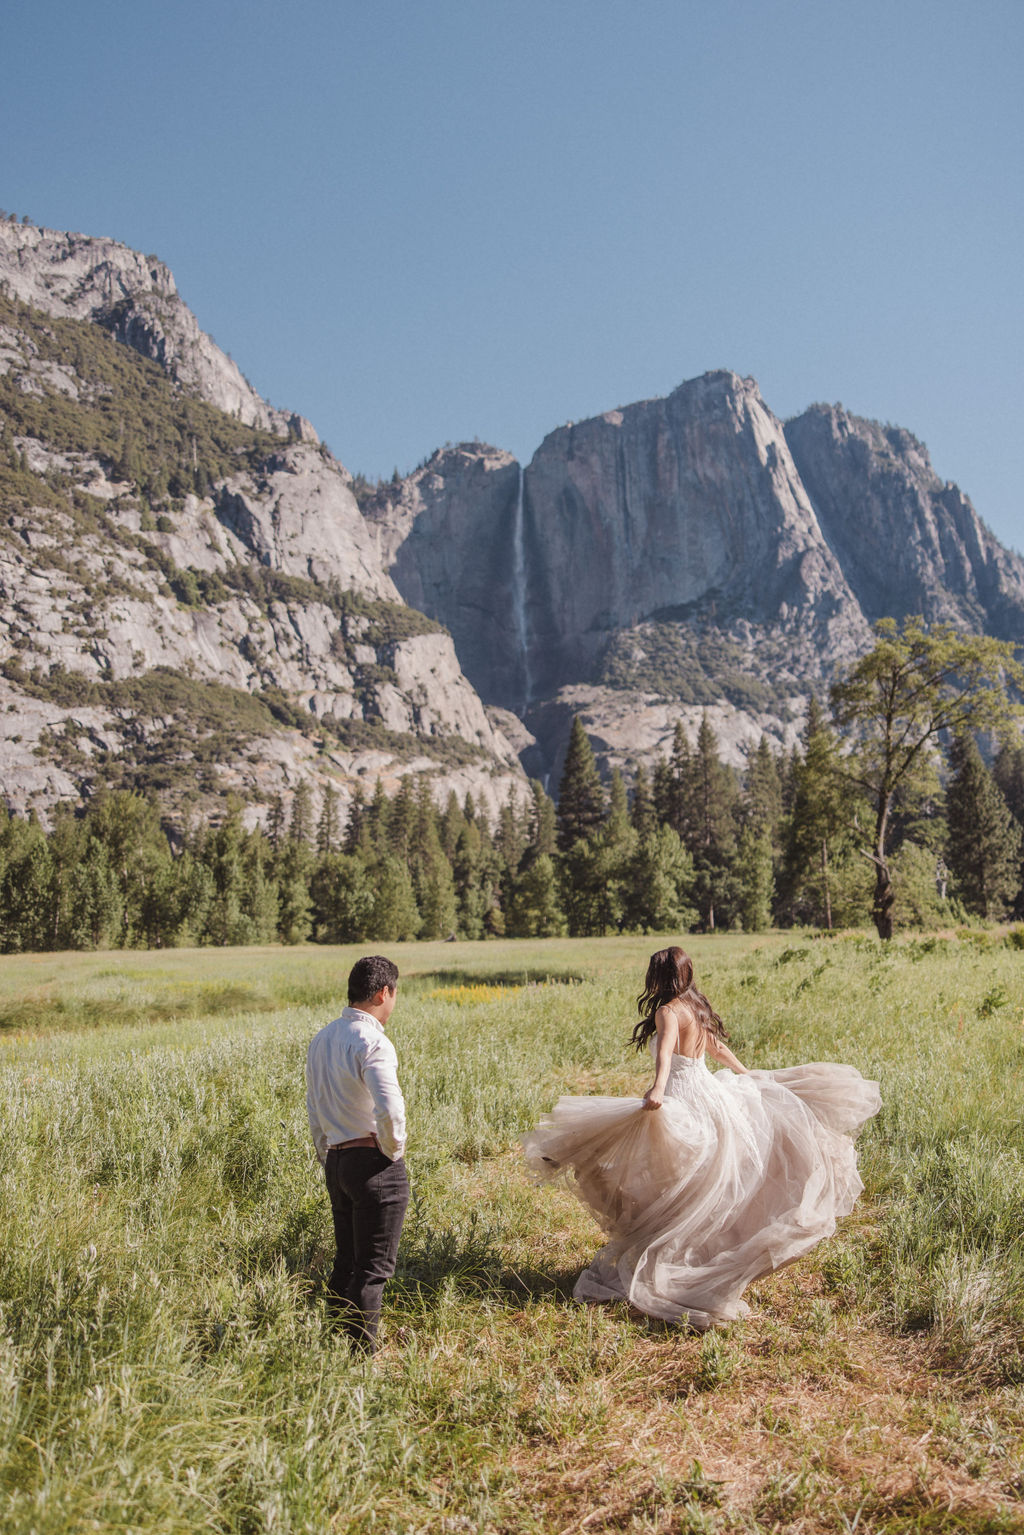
670,976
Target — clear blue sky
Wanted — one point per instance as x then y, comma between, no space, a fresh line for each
440,219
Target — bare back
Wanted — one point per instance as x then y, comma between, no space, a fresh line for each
691,1038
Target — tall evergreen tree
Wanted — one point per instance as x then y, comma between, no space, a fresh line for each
755,879
376,821
1008,772
581,800
543,830
395,917
402,819
535,907
276,822
642,813
327,826
356,831
762,791
709,816
25,885
659,883
663,793
615,847
513,831
450,825
300,827
984,844
470,891
822,811
433,884
343,899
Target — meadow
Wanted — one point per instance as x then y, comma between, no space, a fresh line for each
167,1365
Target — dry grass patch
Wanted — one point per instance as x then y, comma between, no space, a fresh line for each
776,1426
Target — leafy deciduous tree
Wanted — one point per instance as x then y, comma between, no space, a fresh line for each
913,686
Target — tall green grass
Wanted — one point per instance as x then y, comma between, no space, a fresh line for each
165,1361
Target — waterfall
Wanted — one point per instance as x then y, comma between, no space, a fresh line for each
519,587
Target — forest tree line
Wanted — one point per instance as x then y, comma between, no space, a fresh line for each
694,846
899,819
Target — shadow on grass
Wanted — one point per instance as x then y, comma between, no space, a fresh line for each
426,980
59,1013
434,1263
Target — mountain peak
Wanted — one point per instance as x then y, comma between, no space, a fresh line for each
135,299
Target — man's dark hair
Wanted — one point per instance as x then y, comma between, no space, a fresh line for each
368,975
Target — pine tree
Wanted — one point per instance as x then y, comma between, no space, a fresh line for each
343,899
1008,772
984,846
513,832
709,815
128,826
581,801
679,792
356,834
25,886
433,884
543,830
327,827
663,793
470,894
275,822
451,824
658,894
376,821
641,811
402,818
762,791
615,846
755,877
395,917
821,813
535,909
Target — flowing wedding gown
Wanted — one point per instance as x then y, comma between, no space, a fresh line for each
733,1177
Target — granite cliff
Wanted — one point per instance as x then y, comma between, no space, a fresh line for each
196,596
687,553
190,597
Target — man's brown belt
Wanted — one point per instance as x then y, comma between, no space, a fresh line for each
359,1140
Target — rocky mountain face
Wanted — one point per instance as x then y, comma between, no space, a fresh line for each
907,541
687,553
190,597
195,596
135,299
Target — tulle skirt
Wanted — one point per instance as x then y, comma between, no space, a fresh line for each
732,1178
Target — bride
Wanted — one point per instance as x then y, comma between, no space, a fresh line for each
712,1179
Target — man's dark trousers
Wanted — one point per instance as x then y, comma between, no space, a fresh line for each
368,1195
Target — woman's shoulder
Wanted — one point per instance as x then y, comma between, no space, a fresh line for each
682,1010
678,1012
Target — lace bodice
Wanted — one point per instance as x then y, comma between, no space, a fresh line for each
685,1072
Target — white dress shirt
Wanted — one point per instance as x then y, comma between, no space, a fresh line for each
352,1085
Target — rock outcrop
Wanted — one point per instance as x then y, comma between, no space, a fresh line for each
677,510
673,556
242,636
907,541
448,534
684,553
134,297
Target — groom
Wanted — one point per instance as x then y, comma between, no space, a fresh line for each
357,1120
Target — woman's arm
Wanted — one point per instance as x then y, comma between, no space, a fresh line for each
721,1052
668,1033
